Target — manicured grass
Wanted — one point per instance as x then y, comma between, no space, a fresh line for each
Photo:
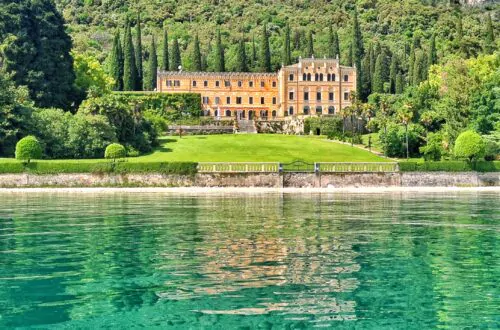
255,148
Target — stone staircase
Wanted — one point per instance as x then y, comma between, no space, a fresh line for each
246,127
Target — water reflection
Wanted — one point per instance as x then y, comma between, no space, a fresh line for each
249,260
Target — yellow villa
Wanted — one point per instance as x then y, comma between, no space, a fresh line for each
309,87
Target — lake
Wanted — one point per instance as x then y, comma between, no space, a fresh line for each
245,261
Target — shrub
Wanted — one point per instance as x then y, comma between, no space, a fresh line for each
28,148
115,150
449,166
183,168
433,150
492,146
469,145
394,141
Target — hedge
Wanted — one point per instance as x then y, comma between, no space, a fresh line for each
449,166
59,167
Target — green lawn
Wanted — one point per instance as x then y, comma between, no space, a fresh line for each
256,148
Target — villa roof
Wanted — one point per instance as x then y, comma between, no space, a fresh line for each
219,74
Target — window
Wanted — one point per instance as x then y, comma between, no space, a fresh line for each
194,83
238,100
308,77
262,100
169,83
227,83
177,83
274,100
290,96
205,83
319,110
328,77
228,100
217,83
250,84
306,110
250,100
274,113
205,99
333,77
306,96
346,78
290,77
216,113
240,83
331,110
286,113
262,84
304,77
318,96
346,96
316,77
274,83
290,110
217,100
320,77
228,113
330,96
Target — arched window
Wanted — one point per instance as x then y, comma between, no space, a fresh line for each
286,113
308,77
319,110
329,77
331,110
333,77
320,77
306,110
304,77
316,77
228,113
290,110
274,113
216,113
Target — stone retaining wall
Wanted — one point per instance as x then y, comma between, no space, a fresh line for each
270,180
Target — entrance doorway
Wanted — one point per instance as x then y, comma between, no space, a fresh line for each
241,114
250,115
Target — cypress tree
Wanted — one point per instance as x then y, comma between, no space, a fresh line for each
39,55
197,65
349,56
336,45
138,53
220,64
358,51
287,52
460,37
411,65
254,53
399,83
330,52
176,61
373,59
310,45
367,83
129,68
265,53
432,51
378,81
116,63
490,36
393,74
150,83
241,58
296,40
420,68
164,52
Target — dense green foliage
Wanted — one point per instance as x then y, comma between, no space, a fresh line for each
449,166
28,148
114,151
469,145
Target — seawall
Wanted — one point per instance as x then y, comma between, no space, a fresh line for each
266,180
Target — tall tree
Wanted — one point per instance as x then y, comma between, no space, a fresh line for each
296,39
265,52
38,55
241,57
116,63
254,53
460,36
220,63
129,64
393,72
411,64
165,59
197,63
287,51
373,59
333,43
310,44
349,60
490,36
336,44
400,84
367,83
150,83
176,61
138,53
420,68
378,79
432,51
358,51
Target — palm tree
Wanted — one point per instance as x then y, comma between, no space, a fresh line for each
405,114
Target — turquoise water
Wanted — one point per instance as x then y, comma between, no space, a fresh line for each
270,261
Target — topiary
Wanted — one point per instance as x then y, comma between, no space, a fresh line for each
469,145
115,150
28,148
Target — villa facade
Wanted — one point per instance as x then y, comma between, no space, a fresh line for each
309,87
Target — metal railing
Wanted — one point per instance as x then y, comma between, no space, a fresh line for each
357,167
238,167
